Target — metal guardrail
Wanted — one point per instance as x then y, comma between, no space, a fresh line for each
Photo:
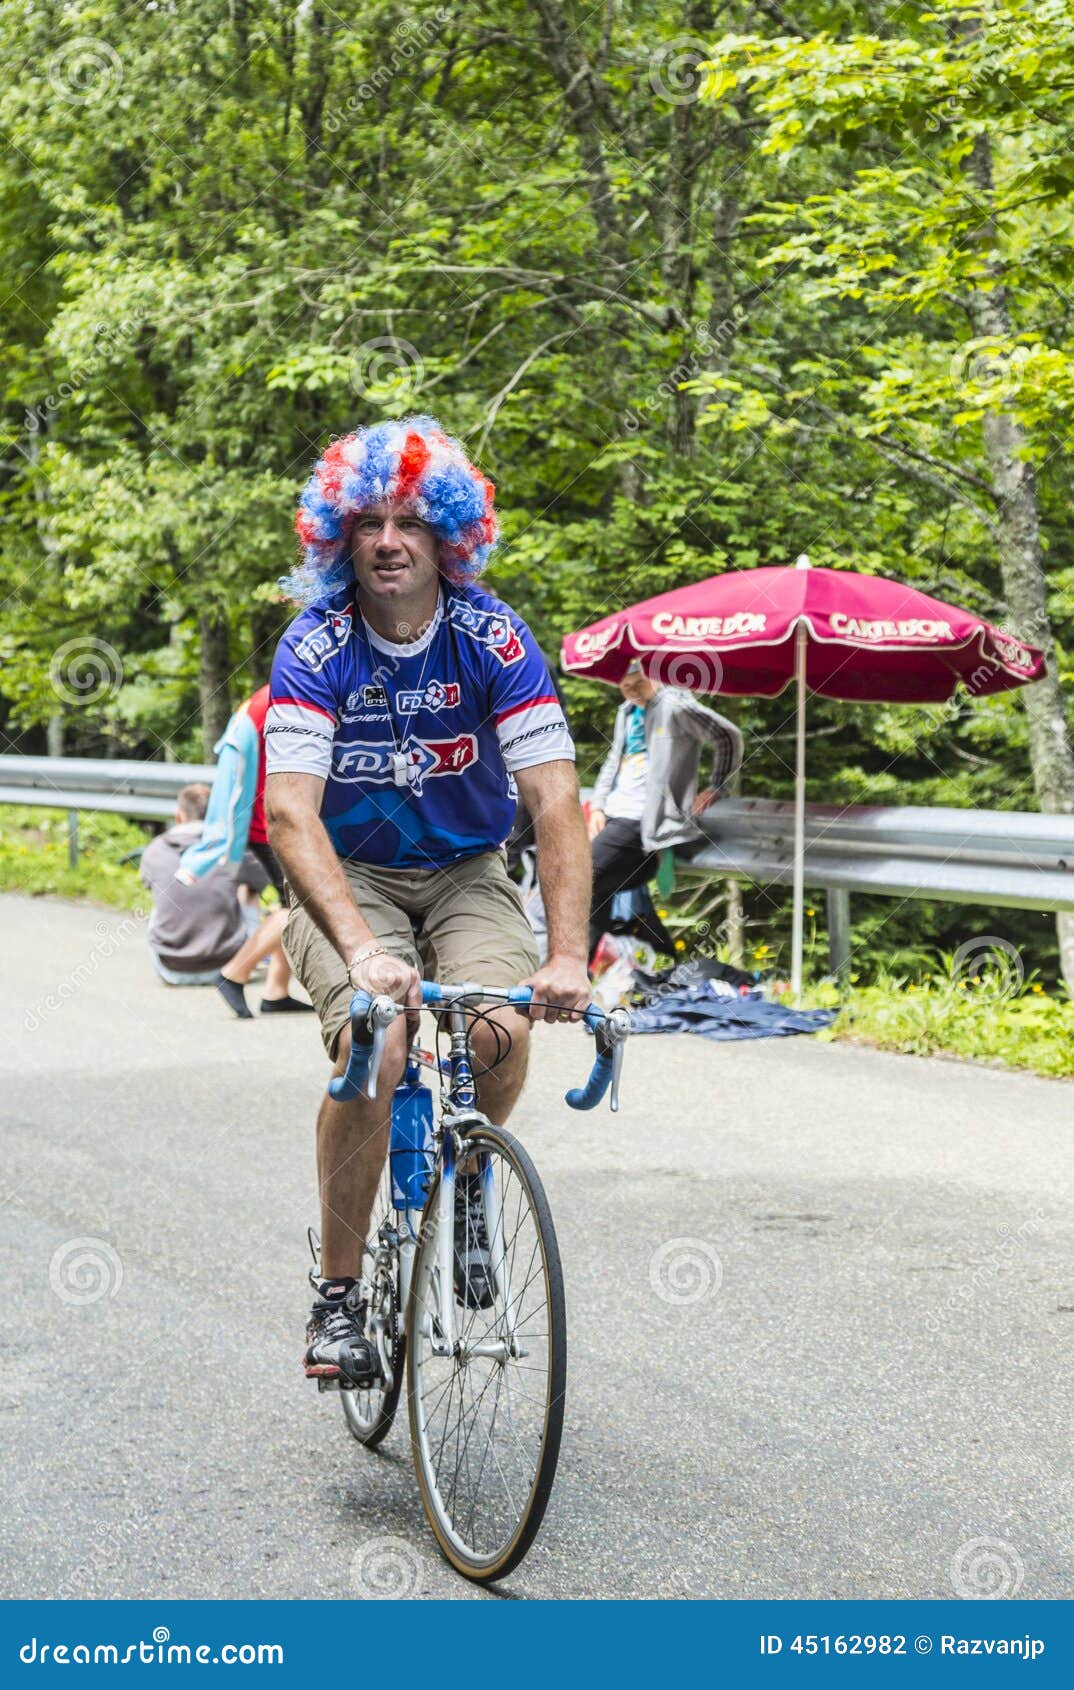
1013,859
1004,858
144,790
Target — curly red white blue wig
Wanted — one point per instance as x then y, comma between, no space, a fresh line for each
412,463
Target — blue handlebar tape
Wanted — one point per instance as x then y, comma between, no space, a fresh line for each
350,1083
600,1079
430,992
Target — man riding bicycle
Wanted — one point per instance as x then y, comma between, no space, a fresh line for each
408,710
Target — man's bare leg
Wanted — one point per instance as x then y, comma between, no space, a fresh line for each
278,978
352,1142
264,940
498,1091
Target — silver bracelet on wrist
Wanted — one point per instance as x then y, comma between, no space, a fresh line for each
364,953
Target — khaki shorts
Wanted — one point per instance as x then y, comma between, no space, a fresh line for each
471,926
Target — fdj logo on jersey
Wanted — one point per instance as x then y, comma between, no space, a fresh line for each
438,695
373,764
322,642
488,628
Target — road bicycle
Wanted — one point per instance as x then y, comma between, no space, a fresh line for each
463,1283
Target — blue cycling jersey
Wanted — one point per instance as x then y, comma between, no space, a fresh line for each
417,743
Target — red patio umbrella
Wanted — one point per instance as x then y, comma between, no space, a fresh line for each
841,634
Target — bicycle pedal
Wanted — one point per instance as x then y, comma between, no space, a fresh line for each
328,1384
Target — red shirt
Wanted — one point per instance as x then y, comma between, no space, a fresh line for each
257,709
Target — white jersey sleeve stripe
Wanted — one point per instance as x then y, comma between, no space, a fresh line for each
534,733
298,739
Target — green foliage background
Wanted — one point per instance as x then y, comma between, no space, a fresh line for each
689,320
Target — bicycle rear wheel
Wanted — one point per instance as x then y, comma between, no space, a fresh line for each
486,1428
369,1413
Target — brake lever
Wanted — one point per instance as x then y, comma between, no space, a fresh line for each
382,1012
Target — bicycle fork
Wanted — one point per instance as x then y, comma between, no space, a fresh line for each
448,1341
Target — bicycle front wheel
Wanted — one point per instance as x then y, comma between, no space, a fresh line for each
486,1421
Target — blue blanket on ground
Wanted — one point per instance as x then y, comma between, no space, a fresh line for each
712,1015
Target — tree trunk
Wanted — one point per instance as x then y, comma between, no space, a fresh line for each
588,110
319,32
214,675
1021,560
586,103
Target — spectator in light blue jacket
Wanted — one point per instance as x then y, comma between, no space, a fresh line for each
235,821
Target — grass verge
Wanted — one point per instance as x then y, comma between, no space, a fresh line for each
33,856
1022,1029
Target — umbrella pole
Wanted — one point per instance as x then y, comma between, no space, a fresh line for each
798,910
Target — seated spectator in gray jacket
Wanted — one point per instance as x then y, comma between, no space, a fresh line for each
646,797
194,930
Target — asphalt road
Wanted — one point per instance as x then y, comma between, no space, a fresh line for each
820,1304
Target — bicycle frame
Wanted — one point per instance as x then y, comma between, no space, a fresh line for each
459,1115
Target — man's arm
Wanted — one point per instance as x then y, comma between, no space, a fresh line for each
711,729
300,840
550,794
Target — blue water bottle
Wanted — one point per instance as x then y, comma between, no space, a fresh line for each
412,1139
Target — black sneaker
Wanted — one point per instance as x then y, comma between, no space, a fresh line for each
336,1344
475,1282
